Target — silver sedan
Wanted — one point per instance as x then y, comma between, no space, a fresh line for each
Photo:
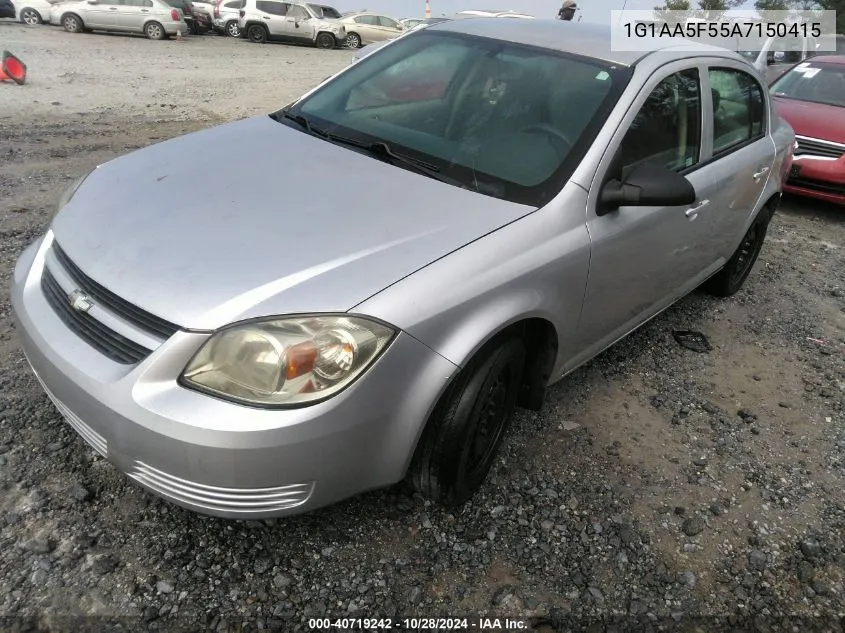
507,200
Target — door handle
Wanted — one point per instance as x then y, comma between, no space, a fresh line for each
266,18
112,8
145,10
763,171
692,212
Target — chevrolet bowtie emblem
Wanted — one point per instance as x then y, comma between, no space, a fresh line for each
80,301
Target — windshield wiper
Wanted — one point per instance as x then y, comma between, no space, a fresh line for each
384,150
302,121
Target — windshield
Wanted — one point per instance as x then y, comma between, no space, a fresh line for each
502,119
813,81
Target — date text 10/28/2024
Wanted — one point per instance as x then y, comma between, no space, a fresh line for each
417,624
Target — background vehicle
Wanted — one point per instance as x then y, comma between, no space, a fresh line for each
362,52
186,8
271,20
366,28
154,18
225,17
7,9
33,11
811,97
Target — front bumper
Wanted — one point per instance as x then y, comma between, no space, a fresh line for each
216,457
817,178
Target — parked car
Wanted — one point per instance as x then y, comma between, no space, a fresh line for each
270,20
7,9
361,53
225,17
33,12
186,8
811,97
366,28
203,14
334,340
154,18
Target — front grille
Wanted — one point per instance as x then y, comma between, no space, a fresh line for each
816,147
108,342
234,501
132,314
817,185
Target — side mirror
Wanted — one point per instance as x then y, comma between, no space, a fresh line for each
647,185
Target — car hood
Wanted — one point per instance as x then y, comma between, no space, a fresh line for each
816,120
294,224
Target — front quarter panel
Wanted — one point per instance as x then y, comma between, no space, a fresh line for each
535,267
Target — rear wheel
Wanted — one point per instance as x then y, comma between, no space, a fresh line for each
462,437
731,278
30,16
72,24
257,33
232,29
325,40
154,31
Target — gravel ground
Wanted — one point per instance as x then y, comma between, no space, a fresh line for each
659,488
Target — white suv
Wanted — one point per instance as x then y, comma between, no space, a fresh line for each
271,20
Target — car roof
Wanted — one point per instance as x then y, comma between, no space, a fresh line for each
827,59
588,40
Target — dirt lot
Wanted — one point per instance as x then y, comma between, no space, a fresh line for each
659,487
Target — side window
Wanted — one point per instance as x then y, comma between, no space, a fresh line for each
268,6
235,4
298,12
367,19
738,109
383,21
667,129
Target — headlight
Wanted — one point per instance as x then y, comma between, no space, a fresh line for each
286,361
69,193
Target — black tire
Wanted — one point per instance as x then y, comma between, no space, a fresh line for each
731,278
462,437
232,29
256,33
353,40
325,40
30,16
154,31
72,23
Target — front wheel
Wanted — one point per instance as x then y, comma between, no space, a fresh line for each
353,40
462,437
731,278
232,29
257,34
325,40
31,17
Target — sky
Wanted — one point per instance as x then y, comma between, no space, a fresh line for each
595,11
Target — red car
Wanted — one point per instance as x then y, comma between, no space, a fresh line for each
811,97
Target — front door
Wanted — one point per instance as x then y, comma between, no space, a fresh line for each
298,24
642,258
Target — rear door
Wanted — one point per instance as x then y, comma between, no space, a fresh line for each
273,15
743,153
367,28
132,14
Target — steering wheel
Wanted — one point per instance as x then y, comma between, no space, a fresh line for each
551,131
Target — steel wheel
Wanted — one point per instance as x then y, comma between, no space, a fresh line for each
257,34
